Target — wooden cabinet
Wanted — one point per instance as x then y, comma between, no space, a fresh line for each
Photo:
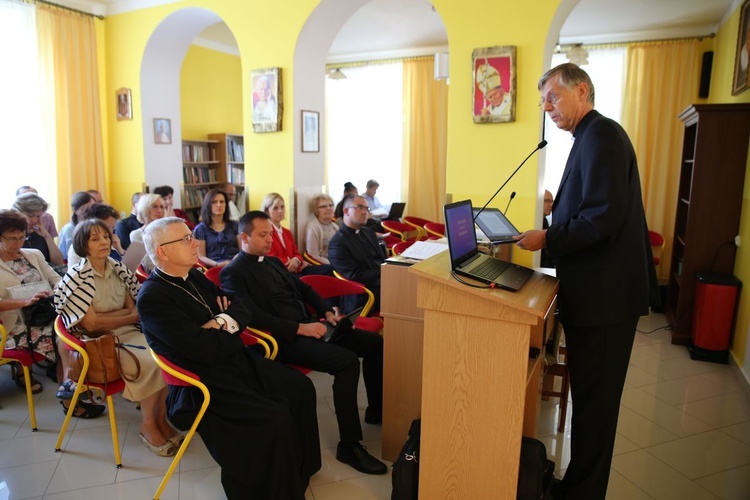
714,159
230,152
199,174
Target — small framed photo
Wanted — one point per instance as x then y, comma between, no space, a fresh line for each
267,108
162,131
124,104
494,90
310,132
742,57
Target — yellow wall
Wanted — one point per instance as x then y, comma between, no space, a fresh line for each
210,93
721,92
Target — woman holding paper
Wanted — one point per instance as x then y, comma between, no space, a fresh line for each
23,266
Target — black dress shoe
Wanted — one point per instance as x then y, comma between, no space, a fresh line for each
357,457
373,416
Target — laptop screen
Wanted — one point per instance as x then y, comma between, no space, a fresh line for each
459,229
495,225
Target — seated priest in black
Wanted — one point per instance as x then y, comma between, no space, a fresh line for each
354,250
261,426
278,301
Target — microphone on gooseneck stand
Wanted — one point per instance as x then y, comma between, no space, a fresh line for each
512,195
538,147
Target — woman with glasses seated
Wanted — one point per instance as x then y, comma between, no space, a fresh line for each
32,206
23,266
218,236
321,228
150,207
283,246
98,295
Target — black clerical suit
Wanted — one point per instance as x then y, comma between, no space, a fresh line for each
278,299
356,254
261,425
598,237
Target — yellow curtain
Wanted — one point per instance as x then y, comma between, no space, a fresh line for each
67,54
662,80
425,130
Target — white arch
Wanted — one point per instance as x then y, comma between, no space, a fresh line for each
160,91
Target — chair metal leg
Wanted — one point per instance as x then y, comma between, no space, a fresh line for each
113,427
68,416
29,397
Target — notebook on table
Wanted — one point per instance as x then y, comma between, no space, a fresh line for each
467,260
495,225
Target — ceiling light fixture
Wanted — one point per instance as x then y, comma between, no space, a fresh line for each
336,74
578,55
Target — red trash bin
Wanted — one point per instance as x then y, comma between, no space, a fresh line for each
713,316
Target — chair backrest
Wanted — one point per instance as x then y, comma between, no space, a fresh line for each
401,247
328,287
312,260
435,229
140,274
401,229
657,240
213,274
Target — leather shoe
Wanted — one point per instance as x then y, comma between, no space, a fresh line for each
373,416
357,457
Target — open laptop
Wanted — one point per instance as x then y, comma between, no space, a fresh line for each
466,258
396,212
495,225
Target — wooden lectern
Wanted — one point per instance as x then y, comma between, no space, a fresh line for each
480,387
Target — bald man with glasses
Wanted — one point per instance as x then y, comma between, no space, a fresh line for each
354,250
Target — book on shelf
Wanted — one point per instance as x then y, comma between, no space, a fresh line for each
235,150
196,175
197,153
235,175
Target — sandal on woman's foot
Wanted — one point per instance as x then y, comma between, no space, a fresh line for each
168,449
66,390
19,378
178,438
84,410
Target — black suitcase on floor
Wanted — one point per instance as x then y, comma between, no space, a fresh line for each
535,472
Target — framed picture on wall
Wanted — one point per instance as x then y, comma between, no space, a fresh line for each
124,104
267,108
742,57
162,131
494,89
310,132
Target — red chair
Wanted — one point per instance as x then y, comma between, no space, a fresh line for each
435,229
73,344
25,359
328,287
390,240
404,231
212,273
657,242
418,223
141,274
401,246
174,375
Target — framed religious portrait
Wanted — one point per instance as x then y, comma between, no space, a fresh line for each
742,57
310,132
267,108
162,131
494,89
124,104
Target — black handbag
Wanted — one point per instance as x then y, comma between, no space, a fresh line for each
405,477
40,313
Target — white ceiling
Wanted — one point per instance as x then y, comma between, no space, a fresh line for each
383,28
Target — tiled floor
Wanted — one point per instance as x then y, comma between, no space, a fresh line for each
684,433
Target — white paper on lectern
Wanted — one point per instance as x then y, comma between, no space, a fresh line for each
422,250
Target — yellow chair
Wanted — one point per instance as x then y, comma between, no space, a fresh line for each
370,295
73,344
174,375
435,229
24,358
312,260
328,287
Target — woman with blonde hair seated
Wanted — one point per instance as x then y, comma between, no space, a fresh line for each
98,295
321,228
283,246
150,207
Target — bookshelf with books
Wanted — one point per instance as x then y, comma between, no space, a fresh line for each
230,152
200,173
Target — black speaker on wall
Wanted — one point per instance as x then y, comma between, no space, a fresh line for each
708,59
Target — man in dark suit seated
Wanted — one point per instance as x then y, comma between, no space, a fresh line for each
261,426
354,250
599,239
278,301
125,226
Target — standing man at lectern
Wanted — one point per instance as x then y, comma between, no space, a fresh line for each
598,236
